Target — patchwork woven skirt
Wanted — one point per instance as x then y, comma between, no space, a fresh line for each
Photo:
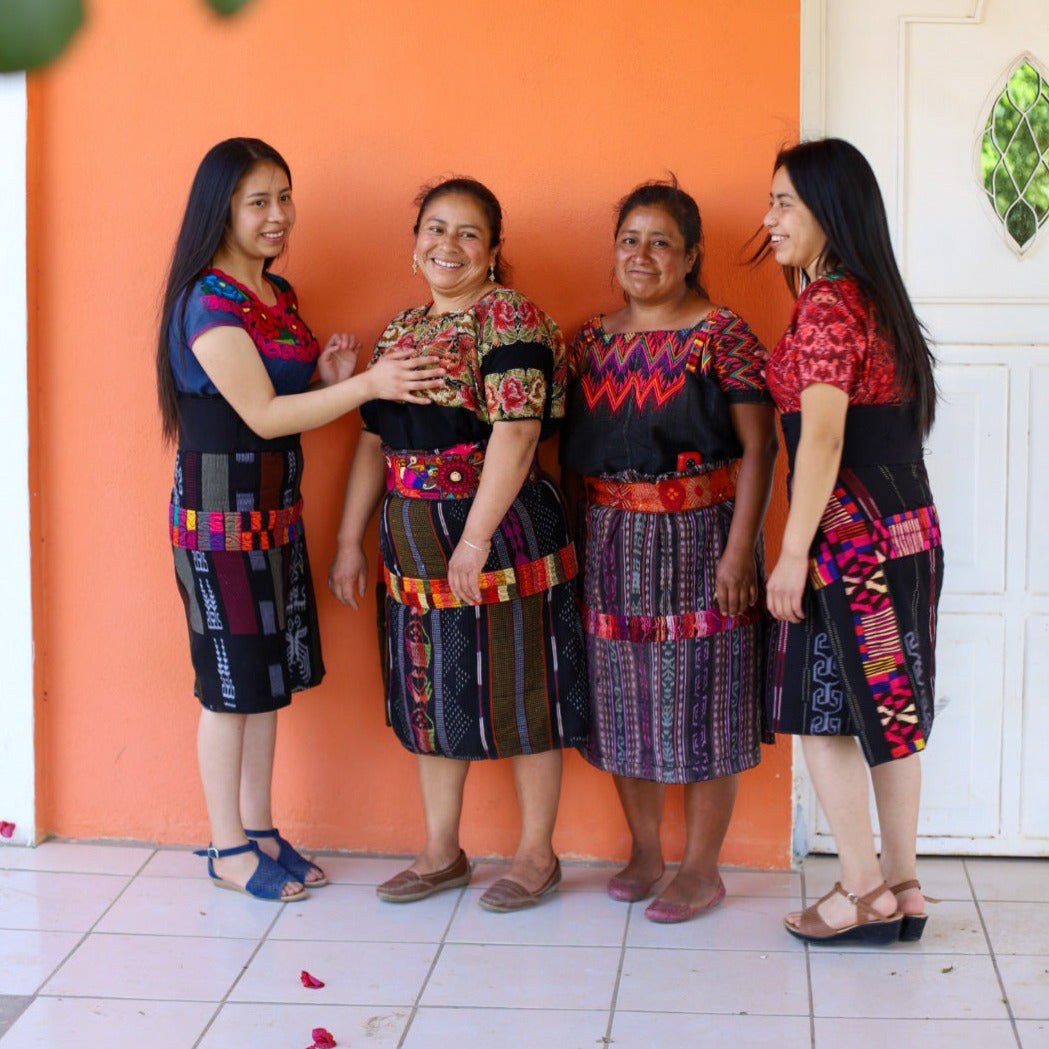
501,678
675,687
243,572
862,661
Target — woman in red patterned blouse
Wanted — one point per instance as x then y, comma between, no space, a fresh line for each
857,583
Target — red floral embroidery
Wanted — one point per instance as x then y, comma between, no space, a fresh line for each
322,1039
512,395
6,829
833,338
463,340
503,314
310,981
528,314
265,324
279,329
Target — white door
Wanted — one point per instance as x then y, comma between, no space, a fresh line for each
911,82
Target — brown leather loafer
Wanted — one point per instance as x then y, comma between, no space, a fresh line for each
506,895
409,886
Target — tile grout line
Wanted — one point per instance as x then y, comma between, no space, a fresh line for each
994,958
414,1010
614,1000
222,1002
808,963
87,932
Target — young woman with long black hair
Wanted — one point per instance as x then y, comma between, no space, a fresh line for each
234,363
856,586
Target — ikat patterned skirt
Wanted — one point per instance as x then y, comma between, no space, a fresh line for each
675,687
502,678
243,573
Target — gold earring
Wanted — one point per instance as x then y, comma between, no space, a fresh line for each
491,273
415,264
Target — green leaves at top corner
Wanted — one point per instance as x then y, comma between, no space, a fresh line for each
227,7
33,32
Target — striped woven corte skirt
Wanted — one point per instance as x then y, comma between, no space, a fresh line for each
243,573
675,687
501,678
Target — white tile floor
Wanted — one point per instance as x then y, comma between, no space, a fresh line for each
120,946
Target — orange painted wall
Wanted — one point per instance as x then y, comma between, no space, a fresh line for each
561,108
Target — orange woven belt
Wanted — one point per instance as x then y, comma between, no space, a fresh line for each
679,493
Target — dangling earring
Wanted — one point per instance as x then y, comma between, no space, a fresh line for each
415,264
491,273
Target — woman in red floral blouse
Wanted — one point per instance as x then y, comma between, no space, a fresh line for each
857,583
482,645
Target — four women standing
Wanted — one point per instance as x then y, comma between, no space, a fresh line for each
668,448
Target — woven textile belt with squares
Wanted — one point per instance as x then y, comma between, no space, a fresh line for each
504,584
678,493
234,530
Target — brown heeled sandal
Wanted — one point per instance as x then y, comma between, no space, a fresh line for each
870,927
913,924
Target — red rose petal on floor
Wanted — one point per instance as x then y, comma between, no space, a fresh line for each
322,1039
6,829
310,981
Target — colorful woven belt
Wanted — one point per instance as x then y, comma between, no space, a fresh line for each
504,584
453,473
647,629
233,530
678,493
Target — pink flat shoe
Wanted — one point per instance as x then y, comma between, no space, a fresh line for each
631,890
666,913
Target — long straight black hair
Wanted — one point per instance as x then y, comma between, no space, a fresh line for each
835,182
204,224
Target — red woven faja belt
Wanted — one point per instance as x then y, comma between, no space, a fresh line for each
690,492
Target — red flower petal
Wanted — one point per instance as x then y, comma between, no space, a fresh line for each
310,981
6,829
322,1039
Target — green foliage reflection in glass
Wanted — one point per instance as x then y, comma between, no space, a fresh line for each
1014,154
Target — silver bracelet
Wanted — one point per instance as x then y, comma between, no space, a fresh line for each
474,546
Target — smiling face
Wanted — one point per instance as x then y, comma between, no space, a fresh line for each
651,261
796,237
261,214
454,247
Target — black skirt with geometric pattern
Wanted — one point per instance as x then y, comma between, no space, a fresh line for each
862,661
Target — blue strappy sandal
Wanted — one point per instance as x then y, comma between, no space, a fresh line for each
291,859
266,883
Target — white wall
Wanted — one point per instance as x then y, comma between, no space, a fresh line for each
17,760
